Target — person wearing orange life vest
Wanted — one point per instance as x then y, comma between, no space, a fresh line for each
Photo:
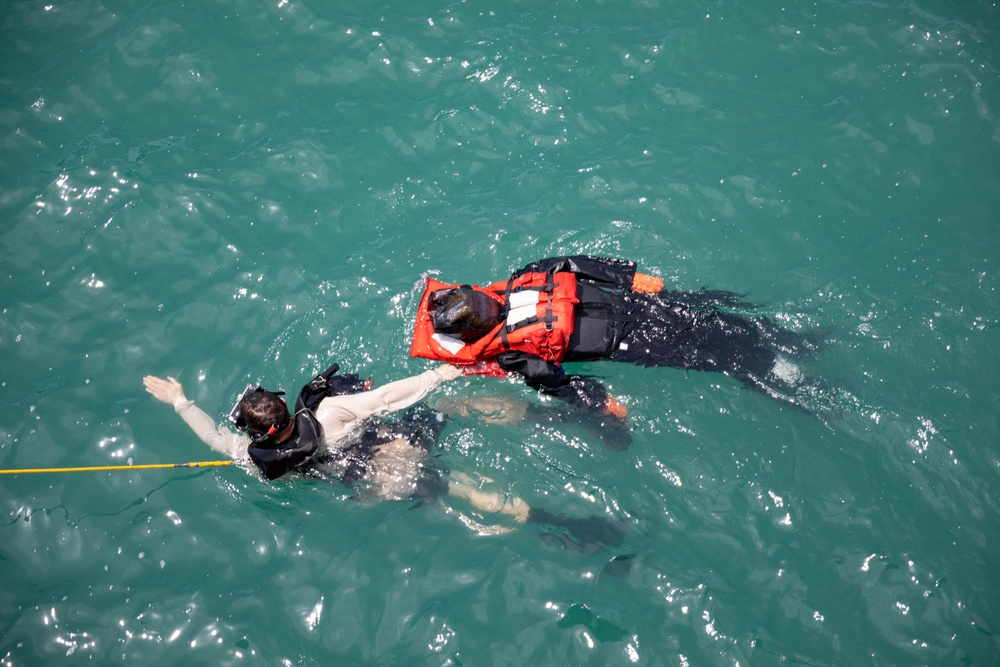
584,308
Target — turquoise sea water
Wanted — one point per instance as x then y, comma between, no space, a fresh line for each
244,191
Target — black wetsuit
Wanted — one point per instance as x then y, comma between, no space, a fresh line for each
688,330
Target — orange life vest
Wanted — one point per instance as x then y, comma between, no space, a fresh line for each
538,312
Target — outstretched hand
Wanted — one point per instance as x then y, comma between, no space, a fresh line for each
447,372
169,391
489,368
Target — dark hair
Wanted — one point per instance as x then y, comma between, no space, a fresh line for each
261,410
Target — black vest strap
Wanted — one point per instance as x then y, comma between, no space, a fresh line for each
548,289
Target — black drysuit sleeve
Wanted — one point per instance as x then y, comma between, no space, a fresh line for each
581,392
551,380
617,272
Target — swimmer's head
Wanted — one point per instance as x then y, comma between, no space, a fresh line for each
261,413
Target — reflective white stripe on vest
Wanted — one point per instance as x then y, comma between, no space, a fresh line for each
453,345
522,305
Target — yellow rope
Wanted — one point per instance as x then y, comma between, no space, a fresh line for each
194,464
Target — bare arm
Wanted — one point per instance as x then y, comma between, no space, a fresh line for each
218,438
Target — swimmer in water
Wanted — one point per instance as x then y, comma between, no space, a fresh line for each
338,432
583,308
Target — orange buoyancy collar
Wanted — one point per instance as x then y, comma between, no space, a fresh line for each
538,313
